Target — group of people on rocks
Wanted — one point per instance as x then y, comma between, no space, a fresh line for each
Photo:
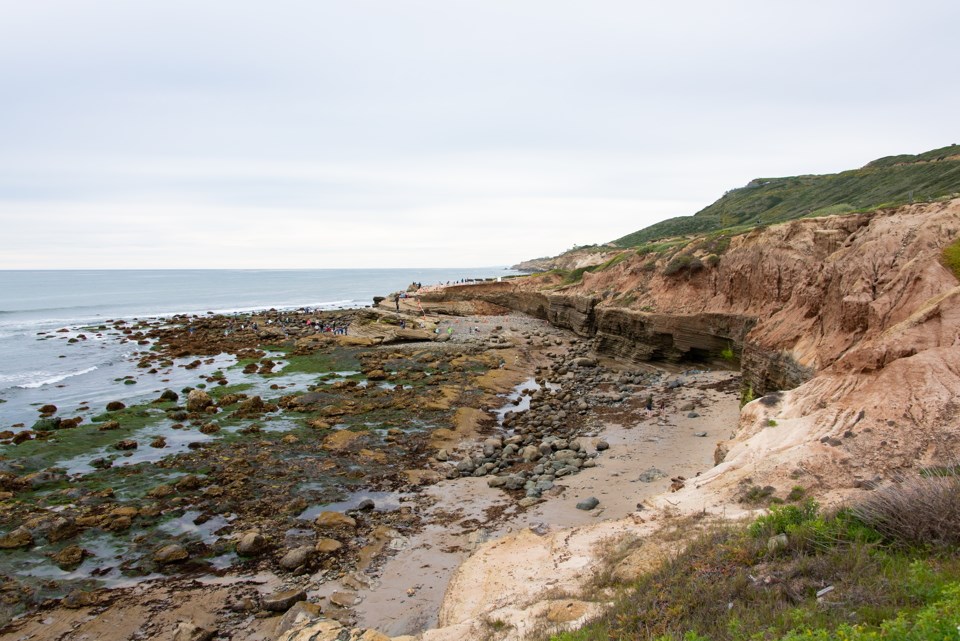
326,328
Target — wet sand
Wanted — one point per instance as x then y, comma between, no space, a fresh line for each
406,598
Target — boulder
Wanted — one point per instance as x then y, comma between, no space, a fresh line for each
61,529
334,520
283,600
80,599
297,557
251,544
47,424
588,503
326,546
300,614
173,553
198,401
344,599
70,557
192,632
18,538
209,428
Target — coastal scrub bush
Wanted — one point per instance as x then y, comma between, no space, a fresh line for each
677,264
951,257
921,512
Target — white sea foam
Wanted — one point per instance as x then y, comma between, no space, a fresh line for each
41,378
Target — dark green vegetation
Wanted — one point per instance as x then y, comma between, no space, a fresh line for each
887,568
951,257
891,181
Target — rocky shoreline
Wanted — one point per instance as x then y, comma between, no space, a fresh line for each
325,466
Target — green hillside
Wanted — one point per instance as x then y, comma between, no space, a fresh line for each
894,180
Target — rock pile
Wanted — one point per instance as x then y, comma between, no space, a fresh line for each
544,443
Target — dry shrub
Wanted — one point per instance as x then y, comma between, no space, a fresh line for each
920,512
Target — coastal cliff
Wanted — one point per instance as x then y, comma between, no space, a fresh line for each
827,317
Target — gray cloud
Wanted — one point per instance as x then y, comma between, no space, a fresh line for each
533,117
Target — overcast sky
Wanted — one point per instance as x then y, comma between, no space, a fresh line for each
430,133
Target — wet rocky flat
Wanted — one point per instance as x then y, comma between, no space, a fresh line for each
256,466
348,472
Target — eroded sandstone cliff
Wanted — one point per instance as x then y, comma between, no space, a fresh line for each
853,318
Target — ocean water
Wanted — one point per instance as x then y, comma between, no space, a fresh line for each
39,364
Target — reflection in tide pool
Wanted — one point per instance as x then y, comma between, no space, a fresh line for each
177,442
382,502
206,531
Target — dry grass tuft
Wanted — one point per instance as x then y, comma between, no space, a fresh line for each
919,512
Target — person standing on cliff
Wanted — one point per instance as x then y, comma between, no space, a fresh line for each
396,300
649,403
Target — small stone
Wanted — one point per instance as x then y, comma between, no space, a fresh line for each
126,444
700,434
159,442
588,503
114,406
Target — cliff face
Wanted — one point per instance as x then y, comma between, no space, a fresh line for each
854,314
573,259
